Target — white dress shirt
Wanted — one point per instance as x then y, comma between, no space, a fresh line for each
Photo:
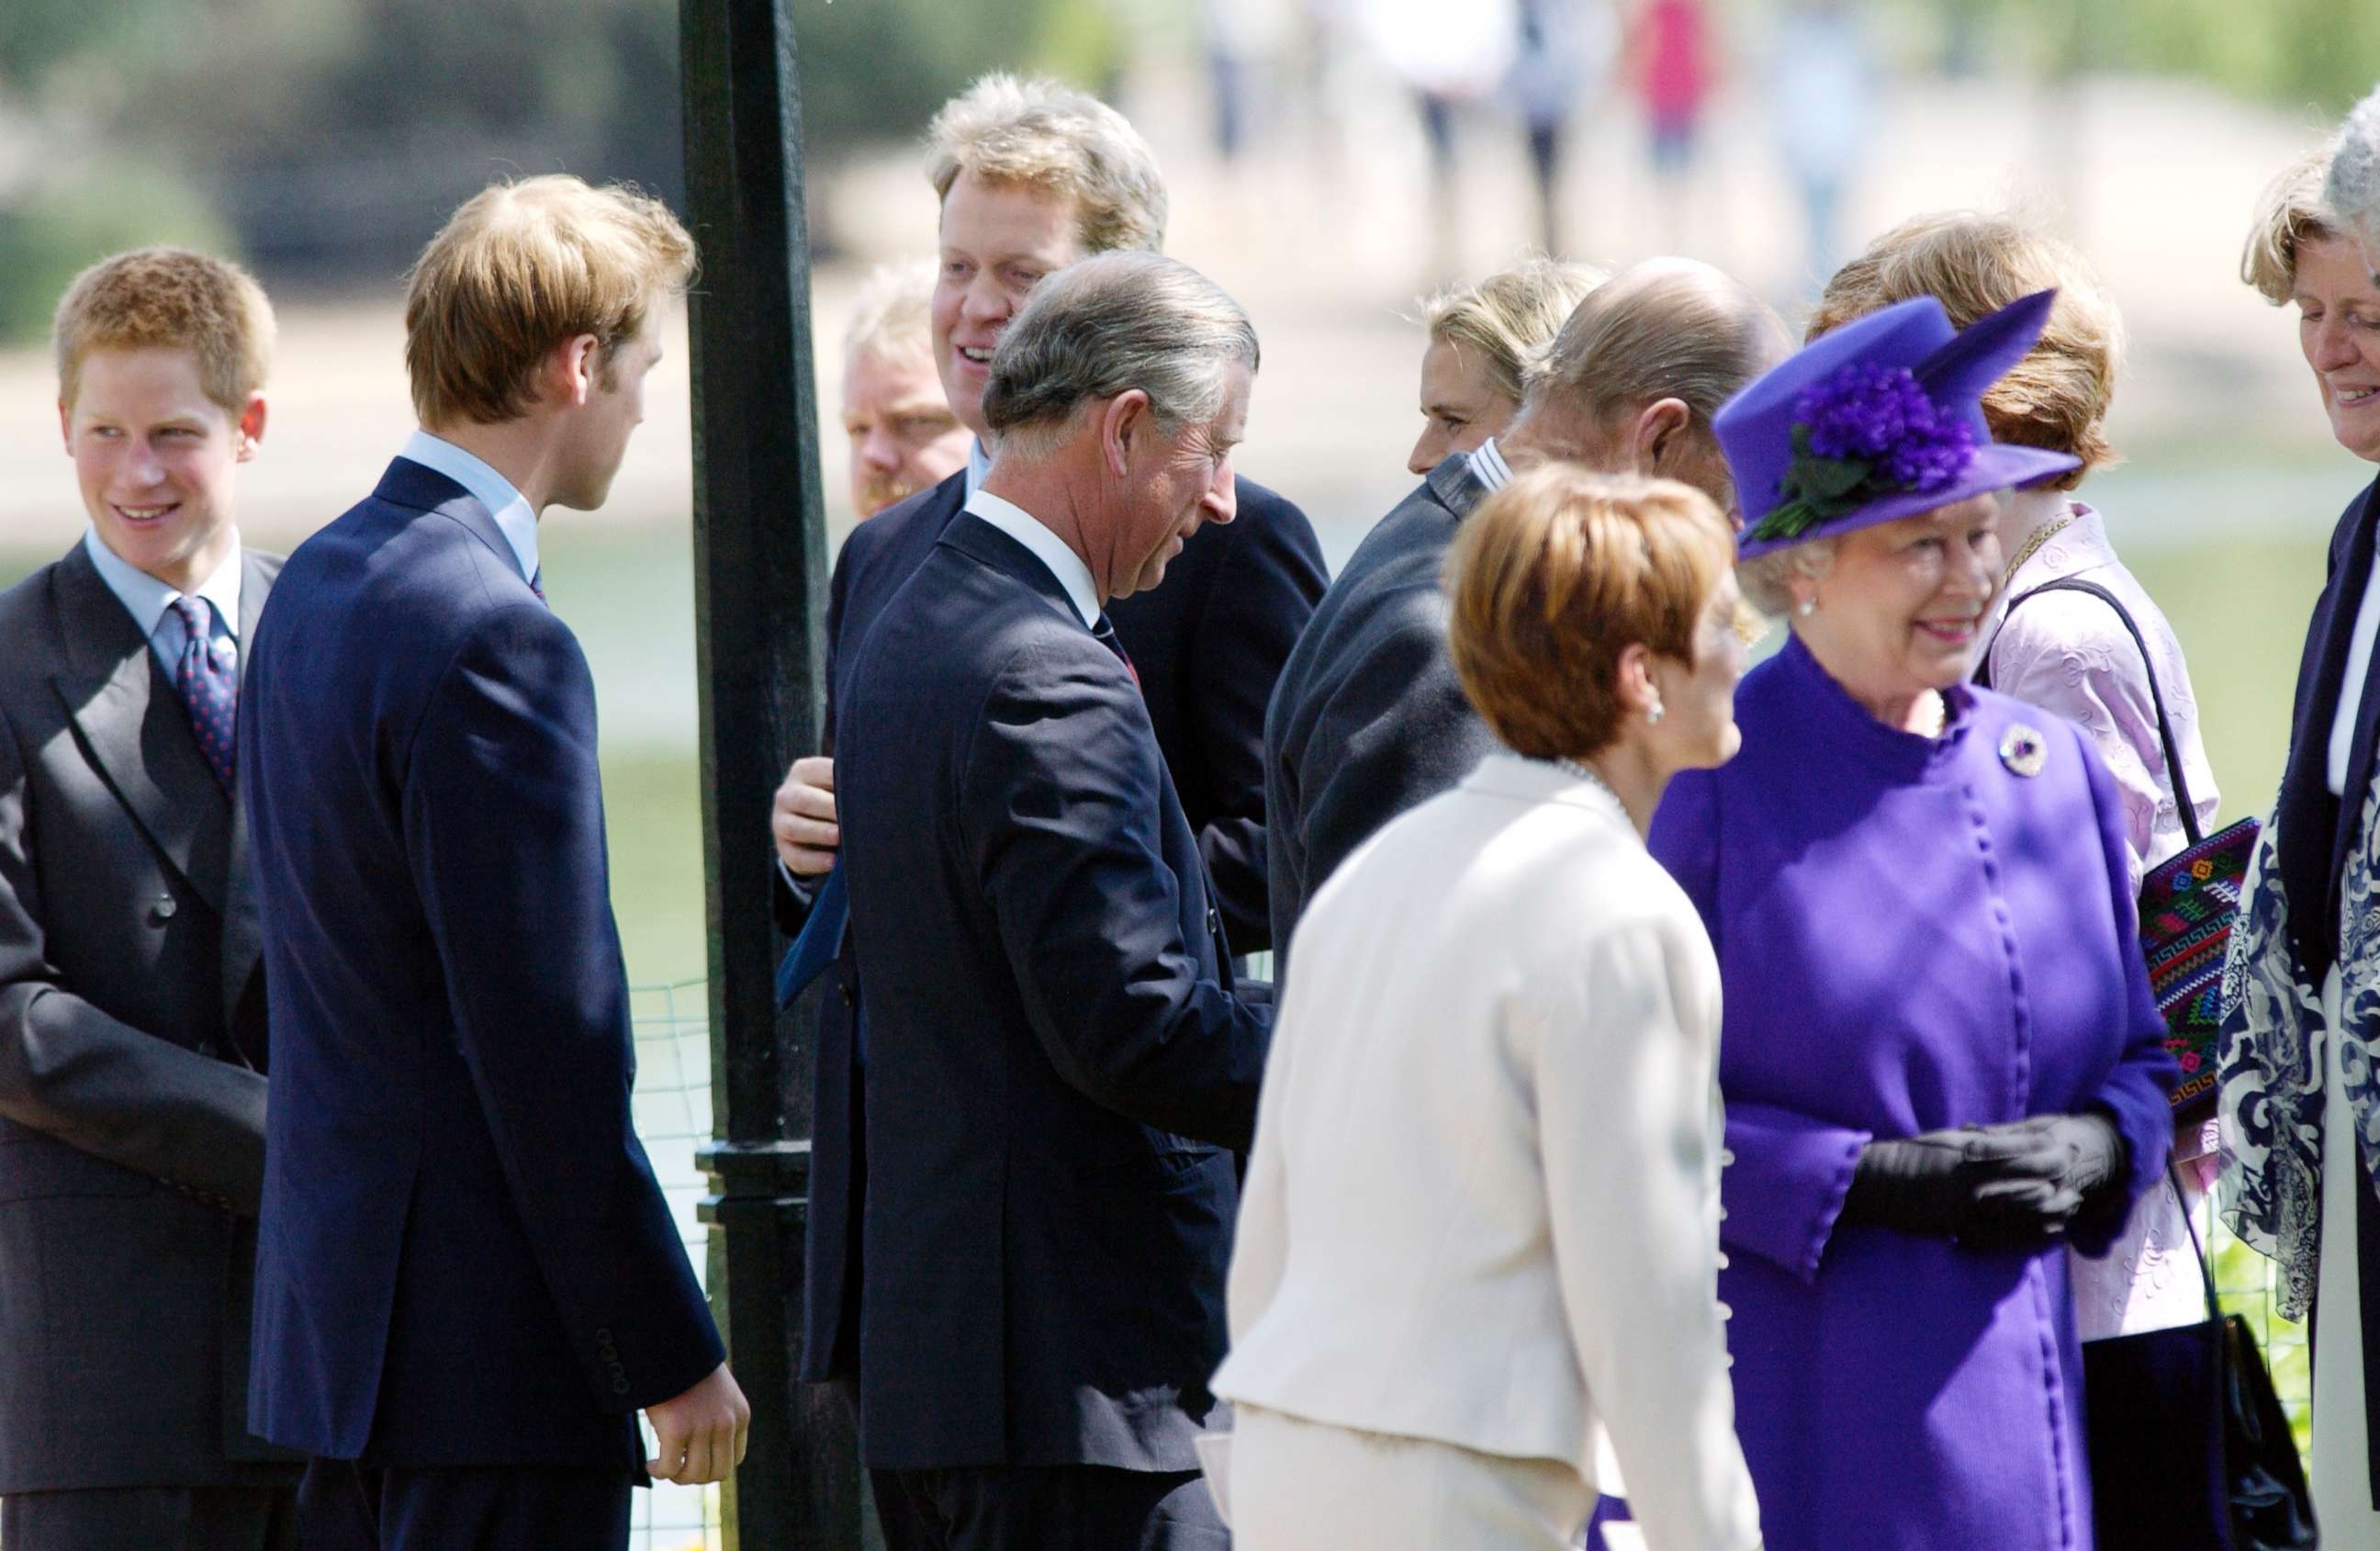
150,601
514,518
979,464
1047,547
1482,1207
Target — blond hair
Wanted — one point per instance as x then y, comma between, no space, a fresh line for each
2056,397
1038,133
518,269
891,316
1557,574
2289,215
1507,317
168,298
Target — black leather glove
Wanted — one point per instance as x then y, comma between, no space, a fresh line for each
1991,1186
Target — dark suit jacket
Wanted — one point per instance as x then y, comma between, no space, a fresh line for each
1368,719
1058,1067
133,1045
1207,644
465,1259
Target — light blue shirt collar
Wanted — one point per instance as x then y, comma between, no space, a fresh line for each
1487,467
489,489
1047,547
147,598
979,464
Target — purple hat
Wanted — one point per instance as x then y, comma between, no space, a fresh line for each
1881,418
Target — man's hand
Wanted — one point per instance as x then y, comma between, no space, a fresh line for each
701,1433
802,819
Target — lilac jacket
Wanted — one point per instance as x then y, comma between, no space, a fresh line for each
1911,935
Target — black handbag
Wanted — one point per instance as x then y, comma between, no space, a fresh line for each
2188,1443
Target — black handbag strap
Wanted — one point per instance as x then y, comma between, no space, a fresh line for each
2156,696
2190,1226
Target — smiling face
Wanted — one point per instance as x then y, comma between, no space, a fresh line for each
1171,486
1459,406
999,240
1900,611
902,434
2338,328
155,458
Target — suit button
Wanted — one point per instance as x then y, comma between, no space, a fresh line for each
164,909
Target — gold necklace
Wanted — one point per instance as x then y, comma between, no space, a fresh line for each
2041,536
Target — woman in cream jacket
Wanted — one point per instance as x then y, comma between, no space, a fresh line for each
1478,1241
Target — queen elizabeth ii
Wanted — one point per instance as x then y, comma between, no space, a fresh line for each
1940,1057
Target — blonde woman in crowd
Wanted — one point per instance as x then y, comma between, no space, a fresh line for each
1478,1238
1481,338
2065,650
2301,991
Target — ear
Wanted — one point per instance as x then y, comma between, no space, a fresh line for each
1125,420
573,365
1635,672
65,427
1659,435
250,426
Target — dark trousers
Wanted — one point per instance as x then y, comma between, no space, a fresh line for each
152,1519
346,1507
1048,1508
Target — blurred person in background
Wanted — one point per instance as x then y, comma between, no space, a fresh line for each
132,1025
1447,57
2303,984
1565,48
2352,190
904,437
1940,1057
1032,177
1244,39
1822,99
1671,62
469,1282
1368,719
2067,651
1481,340
1487,1142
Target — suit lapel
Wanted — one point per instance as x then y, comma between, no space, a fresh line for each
1456,487
133,728
243,938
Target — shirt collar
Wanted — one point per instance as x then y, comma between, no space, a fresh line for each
979,464
489,489
1047,547
147,598
1487,467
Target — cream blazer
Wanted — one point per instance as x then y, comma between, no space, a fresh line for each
1483,1202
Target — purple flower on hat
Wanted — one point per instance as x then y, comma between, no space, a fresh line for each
1865,432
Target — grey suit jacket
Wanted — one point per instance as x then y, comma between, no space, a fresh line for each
1367,719
131,1060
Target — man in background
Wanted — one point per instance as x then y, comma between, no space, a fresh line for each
904,437
469,1282
132,1028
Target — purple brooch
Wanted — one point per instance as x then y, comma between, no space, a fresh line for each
1865,432
2024,750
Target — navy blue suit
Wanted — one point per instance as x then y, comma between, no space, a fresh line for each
1057,1065
1207,644
464,1259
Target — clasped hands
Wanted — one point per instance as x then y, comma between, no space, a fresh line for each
2003,1186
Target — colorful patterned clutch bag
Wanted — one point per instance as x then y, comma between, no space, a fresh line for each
2187,901
2187,905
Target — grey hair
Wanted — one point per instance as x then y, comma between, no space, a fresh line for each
1767,579
2351,195
1105,326
892,315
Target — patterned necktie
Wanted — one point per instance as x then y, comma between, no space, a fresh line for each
1104,632
208,679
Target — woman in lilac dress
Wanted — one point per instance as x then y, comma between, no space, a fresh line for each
1940,1059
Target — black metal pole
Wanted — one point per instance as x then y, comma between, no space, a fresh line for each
760,570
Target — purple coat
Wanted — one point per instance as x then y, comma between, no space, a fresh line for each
1911,936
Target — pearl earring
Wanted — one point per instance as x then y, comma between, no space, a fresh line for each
1808,607
1653,713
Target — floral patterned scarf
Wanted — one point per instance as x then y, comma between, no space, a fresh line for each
2271,1057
